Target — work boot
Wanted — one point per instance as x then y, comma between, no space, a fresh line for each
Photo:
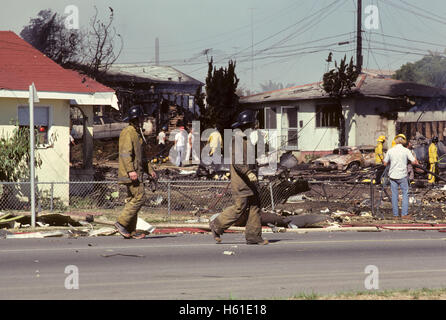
215,234
123,231
262,242
407,217
138,235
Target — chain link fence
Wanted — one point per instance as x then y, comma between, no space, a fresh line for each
171,197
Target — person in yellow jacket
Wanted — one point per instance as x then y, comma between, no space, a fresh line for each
132,165
433,159
215,142
379,157
379,150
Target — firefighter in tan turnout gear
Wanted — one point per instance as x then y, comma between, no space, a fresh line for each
243,186
132,165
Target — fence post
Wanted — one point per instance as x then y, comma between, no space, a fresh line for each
168,199
52,196
272,195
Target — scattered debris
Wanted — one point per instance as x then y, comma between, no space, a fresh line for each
144,226
106,231
229,253
31,235
157,201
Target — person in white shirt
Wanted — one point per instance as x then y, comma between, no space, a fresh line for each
398,158
190,149
180,145
162,137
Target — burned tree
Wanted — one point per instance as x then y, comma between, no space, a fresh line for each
48,34
100,45
338,83
90,51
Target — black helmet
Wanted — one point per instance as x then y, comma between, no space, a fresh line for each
245,117
135,112
435,139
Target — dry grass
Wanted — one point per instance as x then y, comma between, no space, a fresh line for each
409,294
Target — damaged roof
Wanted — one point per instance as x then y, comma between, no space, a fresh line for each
366,85
144,73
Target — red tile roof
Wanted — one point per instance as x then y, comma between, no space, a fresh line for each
21,65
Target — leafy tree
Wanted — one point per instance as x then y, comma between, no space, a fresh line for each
430,70
221,86
338,83
15,155
14,162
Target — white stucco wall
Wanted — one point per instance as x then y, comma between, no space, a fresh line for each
312,138
55,165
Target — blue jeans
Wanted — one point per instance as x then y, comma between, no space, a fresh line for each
404,185
180,156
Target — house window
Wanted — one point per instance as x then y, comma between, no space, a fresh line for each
41,122
328,115
270,118
289,127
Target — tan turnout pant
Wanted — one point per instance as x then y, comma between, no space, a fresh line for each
244,208
134,202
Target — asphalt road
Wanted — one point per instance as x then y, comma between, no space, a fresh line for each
194,267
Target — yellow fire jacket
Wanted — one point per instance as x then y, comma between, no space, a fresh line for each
379,153
433,153
131,155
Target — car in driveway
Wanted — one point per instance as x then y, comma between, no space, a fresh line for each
346,158
103,128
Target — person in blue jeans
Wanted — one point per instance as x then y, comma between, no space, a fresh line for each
398,157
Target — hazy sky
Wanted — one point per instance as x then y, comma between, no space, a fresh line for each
291,38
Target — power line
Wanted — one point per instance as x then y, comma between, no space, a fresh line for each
430,18
421,9
277,33
410,40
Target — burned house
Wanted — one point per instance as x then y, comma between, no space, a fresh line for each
306,120
166,93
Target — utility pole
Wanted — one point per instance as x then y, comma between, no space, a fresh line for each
157,52
359,37
252,48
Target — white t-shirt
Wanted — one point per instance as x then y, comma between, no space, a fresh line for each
398,157
161,138
180,138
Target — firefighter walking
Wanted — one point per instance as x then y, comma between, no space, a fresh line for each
132,165
243,186
433,160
